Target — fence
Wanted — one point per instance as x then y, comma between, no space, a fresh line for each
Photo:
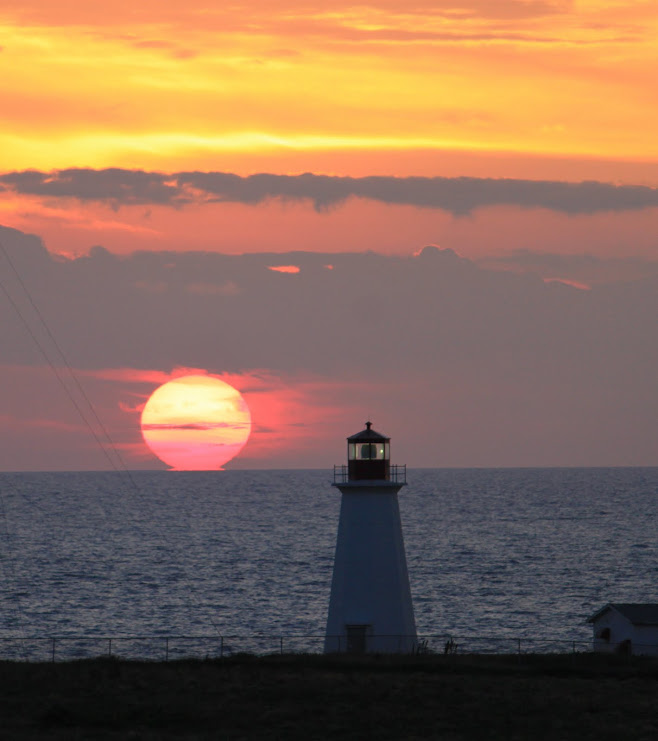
397,474
171,647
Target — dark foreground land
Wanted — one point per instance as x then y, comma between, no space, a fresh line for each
450,698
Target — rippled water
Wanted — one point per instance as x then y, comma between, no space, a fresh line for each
504,552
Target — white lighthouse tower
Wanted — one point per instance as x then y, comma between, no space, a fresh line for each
370,608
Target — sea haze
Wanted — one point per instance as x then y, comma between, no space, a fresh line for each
492,553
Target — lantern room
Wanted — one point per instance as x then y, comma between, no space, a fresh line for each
368,456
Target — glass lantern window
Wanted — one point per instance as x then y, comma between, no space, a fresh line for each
368,451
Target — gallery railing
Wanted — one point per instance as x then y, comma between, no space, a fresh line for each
397,474
165,648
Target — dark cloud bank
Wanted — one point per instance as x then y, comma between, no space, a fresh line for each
463,358
457,195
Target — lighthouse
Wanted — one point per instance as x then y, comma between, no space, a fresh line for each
370,608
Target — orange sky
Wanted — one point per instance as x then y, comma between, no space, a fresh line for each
532,89
194,84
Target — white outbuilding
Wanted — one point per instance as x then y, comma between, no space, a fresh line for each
629,628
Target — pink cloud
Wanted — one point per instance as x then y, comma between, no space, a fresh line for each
15,422
567,282
292,413
284,268
138,375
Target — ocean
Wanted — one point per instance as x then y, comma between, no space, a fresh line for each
208,562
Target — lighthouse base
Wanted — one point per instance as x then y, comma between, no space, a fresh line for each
360,639
370,609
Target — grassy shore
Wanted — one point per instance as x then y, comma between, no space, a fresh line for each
580,696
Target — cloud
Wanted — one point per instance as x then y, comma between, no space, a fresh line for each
388,31
284,268
580,269
216,17
459,196
16,422
190,426
434,308
164,45
114,185
226,289
472,366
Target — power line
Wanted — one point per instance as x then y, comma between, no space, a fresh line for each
119,467
90,407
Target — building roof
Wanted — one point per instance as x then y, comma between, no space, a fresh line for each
367,436
636,613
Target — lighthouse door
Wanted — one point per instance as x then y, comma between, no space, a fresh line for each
356,638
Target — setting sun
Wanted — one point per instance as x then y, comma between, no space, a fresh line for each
196,423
